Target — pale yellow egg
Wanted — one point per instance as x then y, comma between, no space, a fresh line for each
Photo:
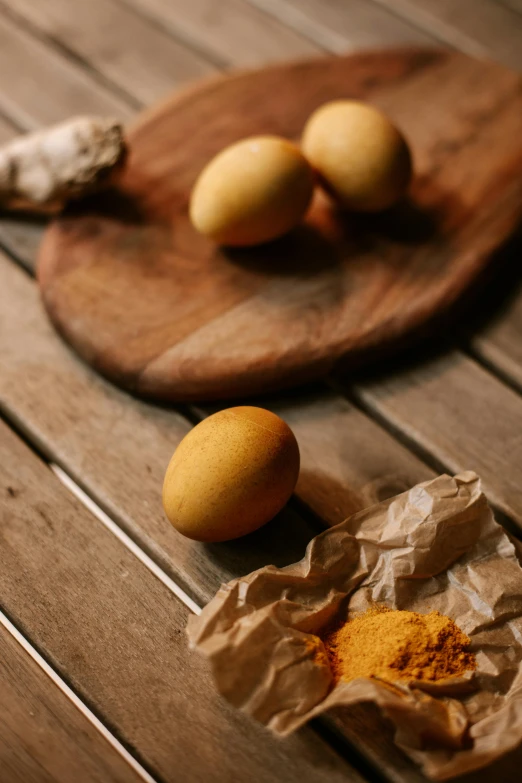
231,474
252,192
361,158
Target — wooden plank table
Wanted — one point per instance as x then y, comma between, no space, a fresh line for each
96,682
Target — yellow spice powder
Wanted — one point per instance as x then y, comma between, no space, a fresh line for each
398,645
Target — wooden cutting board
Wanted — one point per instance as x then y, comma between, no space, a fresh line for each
166,314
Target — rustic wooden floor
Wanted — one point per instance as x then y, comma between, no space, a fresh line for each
96,683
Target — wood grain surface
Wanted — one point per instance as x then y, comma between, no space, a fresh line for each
24,241
23,237
348,462
100,31
43,737
500,345
231,31
117,634
345,25
347,456
118,448
470,420
163,312
83,576
484,28
68,89
479,27
86,422
329,24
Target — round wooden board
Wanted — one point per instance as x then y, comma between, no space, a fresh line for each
166,314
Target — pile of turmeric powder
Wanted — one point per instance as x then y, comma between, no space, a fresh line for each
398,645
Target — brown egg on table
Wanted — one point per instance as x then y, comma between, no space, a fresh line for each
231,474
252,192
361,158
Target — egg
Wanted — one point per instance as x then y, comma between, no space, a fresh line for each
231,474
362,159
252,192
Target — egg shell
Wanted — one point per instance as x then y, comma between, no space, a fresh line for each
362,159
231,474
252,192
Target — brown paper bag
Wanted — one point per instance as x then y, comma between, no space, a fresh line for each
436,547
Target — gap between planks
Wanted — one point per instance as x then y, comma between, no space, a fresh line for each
107,78
26,645
89,61
481,28
416,447
330,729
110,531
126,540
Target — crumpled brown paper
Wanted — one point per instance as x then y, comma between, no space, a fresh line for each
434,547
